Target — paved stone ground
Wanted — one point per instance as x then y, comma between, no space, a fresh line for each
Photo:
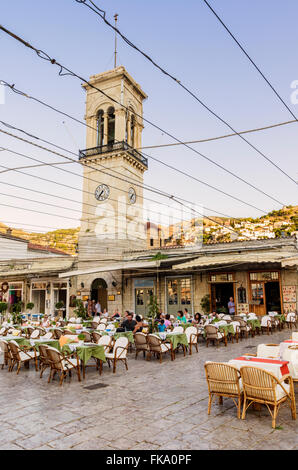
151,406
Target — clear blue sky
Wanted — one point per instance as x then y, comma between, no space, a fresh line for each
189,42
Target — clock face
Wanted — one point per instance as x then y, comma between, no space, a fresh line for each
102,192
132,196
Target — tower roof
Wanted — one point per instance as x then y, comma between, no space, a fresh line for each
118,72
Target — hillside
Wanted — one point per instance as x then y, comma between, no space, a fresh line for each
274,224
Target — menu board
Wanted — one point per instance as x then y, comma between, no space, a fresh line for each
242,308
289,294
289,307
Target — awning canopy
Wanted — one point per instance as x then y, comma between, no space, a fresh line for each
113,267
292,261
236,258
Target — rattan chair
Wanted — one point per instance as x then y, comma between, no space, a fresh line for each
212,334
57,333
291,320
266,324
68,332
101,327
157,347
94,325
106,341
29,331
44,362
141,343
95,336
119,353
62,364
6,354
21,356
87,335
192,337
35,334
178,329
223,381
261,386
3,331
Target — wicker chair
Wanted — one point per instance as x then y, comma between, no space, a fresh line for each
62,364
3,331
260,386
101,327
192,337
87,335
119,353
291,320
212,334
68,332
29,331
178,329
48,335
94,325
6,354
141,343
156,346
106,341
44,362
57,333
21,356
35,334
266,324
95,336
223,381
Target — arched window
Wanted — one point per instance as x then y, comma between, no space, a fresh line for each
111,126
132,130
100,128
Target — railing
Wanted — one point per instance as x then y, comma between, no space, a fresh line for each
114,147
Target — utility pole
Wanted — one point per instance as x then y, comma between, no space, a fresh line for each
115,53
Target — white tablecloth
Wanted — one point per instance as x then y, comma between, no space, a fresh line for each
269,366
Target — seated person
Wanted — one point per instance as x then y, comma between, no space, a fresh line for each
168,323
197,319
128,324
116,314
139,324
161,326
45,322
181,317
105,314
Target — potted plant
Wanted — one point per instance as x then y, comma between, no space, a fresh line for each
3,308
152,312
80,310
16,312
205,304
30,306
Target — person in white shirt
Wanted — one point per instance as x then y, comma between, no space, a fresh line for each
98,308
105,313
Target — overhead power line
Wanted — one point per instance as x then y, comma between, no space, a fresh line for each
66,71
250,59
209,139
102,13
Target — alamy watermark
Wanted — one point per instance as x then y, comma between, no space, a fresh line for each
294,94
2,93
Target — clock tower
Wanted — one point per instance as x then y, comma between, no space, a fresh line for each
112,212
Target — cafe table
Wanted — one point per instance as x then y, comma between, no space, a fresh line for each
254,323
85,351
49,342
228,328
285,345
18,339
275,366
174,338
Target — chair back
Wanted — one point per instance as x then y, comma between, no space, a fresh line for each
30,330
58,333
88,337
104,320
95,336
154,343
266,321
72,320
222,378
178,329
101,327
211,331
268,350
227,317
55,358
120,347
259,383
291,317
236,325
94,325
35,334
105,341
48,335
140,340
4,346
3,331
191,334
41,330
43,356
14,350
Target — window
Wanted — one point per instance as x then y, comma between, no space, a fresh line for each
111,126
15,292
222,277
132,131
151,242
264,276
257,293
100,128
173,292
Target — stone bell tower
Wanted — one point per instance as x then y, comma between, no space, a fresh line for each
112,213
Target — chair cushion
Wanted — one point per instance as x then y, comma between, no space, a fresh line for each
69,365
24,356
280,392
165,347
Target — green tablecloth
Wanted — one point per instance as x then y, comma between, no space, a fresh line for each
254,323
177,339
85,352
20,341
227,329
127,334
54,343
282,318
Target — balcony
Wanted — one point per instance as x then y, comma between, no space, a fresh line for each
114,147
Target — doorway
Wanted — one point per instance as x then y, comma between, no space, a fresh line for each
272,295
99,292
142,297
39,300
220,296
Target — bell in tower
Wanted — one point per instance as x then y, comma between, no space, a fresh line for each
112,213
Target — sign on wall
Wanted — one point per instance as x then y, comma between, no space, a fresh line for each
289,293
242,308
